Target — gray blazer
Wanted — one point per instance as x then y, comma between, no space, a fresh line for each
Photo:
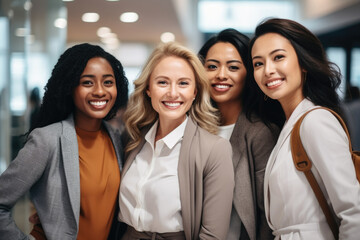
252,143
48,166
206,181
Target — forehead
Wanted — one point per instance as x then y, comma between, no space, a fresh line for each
173,66
223,50
269,42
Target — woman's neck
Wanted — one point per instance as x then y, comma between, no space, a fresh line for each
289,105
90,126
229,112
167,126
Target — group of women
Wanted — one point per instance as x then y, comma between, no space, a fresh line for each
202,156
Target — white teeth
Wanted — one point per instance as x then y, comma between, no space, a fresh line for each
273,83
172,104
222,86
98,103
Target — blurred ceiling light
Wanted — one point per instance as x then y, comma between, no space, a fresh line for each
27,5
103,31
110,40
112,0
67,0
167,37
90,17
60,23
109,35
129,17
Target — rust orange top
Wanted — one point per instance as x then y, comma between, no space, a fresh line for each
99,183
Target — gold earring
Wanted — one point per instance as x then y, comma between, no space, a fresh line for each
265,97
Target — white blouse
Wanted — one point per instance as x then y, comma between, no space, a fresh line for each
149,192
226,131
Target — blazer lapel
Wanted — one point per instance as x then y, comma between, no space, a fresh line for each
70,153
116,141
130,157
186,174
303,107
243,194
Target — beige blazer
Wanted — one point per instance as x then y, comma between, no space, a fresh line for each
206,182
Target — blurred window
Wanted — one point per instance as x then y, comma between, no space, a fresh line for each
355,67
241,15
337,55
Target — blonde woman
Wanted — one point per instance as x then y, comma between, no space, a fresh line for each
177,182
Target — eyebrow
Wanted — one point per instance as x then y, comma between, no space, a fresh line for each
272,52
217,61
92,76
167,78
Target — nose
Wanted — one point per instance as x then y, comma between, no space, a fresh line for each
173,91
222,74
99,90
269,69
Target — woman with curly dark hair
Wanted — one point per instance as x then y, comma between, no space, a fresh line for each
290,66
72,158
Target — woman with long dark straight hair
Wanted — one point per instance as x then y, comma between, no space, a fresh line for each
290,66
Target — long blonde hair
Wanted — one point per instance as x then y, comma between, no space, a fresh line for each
140,113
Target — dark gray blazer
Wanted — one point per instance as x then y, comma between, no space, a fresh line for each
48,166
206,182
252,143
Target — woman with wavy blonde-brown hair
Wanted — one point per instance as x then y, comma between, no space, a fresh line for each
178,174
140,112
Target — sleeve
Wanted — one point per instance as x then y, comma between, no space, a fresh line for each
261,148
327,146
18,178
218,191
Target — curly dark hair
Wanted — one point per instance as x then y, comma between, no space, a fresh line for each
323,77
241,43
58,102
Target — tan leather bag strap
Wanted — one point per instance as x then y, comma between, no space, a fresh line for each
303,163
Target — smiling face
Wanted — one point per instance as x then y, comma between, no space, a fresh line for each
95,95
277,70
226,72
172,89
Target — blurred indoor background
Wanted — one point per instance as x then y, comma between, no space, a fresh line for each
33,34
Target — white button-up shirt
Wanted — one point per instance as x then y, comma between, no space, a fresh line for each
149,192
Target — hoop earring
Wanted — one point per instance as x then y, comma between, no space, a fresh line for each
305,76
265,97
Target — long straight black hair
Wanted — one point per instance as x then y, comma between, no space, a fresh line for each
323,77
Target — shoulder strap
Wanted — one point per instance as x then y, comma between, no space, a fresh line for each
303,163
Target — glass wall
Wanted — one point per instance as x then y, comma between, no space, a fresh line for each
337,55
355,67
30,44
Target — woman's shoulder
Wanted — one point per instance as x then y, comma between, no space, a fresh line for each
321,123
51,131
318,117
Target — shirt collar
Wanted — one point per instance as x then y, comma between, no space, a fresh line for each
171,139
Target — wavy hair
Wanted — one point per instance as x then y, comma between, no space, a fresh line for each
58,102
323,77
140,113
